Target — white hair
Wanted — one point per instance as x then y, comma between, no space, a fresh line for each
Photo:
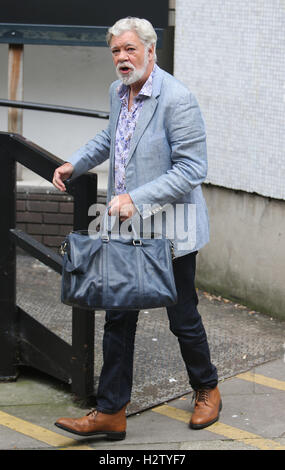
143,28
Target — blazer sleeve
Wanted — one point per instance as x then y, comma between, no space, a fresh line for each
187,140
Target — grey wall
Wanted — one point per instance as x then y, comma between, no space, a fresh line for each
245,259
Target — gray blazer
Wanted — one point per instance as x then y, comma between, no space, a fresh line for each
167,161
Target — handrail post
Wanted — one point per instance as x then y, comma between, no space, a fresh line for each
8,310
83,321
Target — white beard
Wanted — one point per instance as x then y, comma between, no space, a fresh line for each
136,74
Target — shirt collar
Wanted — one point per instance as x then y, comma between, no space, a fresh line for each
146,90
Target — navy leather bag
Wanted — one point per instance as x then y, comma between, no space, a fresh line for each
106,273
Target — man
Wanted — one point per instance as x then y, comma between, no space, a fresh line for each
157,148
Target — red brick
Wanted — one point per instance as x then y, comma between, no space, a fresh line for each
42,206
37,196
62,197
58,218
21,196
33,217
44,229
20,205
65,229
48,197
66,207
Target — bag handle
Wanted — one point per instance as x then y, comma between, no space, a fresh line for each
104,231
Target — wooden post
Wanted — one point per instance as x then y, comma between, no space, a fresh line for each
16,91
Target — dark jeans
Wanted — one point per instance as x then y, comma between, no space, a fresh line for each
185,322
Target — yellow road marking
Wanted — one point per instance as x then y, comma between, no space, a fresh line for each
39,433
262,380
222,429
57,440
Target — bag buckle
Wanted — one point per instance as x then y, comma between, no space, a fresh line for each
172,251
62,249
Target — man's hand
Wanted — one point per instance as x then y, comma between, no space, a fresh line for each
122,205
61,174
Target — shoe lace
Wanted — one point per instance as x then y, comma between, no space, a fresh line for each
201,395
92,412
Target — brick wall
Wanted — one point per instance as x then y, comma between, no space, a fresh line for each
46,215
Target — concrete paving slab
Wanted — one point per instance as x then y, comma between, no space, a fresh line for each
221,444
274,369
41,389
11,440
243,409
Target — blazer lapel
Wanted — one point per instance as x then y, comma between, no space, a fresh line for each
145,116
147,111
115,117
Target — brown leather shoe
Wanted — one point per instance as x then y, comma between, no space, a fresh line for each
208,405
112,425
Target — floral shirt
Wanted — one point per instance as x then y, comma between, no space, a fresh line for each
126,127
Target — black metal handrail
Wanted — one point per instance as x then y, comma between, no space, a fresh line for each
23,340
54,108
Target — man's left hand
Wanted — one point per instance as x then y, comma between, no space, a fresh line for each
123,206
